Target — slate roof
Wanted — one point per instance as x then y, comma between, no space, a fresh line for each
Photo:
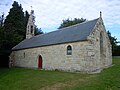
78,32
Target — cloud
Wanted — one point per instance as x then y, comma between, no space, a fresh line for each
53,12
5,6
50,13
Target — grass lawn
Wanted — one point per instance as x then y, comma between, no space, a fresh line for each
27,79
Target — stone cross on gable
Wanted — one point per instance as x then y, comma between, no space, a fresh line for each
100,14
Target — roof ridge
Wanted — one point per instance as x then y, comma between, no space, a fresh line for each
78,24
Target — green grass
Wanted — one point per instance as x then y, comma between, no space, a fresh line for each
28,79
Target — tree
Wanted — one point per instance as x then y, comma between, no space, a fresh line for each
1,31
114,42
14,26
69,22
1,37
38,31
1,20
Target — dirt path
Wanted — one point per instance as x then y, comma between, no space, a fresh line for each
70,83
59,86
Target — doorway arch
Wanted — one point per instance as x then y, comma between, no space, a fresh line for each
39,62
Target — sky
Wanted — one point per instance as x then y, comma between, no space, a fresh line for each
50,13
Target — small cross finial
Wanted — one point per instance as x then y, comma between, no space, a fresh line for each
32,11
100,14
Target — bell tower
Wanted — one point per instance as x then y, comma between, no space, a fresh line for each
30,25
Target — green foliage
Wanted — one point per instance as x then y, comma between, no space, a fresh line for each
112,39
14,26
69,22
115,47
27,79
1,20
38,31
1,36
117,51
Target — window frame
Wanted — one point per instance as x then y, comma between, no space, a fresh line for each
69,50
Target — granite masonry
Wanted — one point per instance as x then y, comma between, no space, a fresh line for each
83,47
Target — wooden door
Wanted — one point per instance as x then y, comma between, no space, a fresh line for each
40,62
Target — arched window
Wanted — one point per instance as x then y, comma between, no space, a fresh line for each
31,29
69,50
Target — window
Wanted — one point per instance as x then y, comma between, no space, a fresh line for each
69,50
31,29
24,54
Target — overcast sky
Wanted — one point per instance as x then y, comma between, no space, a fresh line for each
50,13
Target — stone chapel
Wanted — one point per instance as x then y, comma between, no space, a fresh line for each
83,47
